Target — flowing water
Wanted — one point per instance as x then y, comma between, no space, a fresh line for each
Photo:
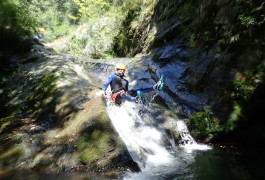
158,161
189,160
147,147
159,158
213,164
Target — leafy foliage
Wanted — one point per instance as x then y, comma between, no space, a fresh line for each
15,16
129,33
246,20
15,24
232,121
204,124
92,8
243,89
54,16
225,23
99,23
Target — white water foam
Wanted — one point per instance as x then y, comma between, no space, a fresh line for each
188,141
143,142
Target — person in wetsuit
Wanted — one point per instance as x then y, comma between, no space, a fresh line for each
119,86
39,36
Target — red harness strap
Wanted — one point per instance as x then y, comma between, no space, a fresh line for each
115,95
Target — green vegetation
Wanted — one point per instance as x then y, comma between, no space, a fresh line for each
245,85
245,102
15,17
92,8
15,24
44,93
98,146
243,89
123,41
109,28
235,27
10,151
21,18
233,120
97,141
204,124
218,22
3,79
7,123
11,156
55,16
38,98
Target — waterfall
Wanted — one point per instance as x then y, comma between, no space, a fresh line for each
148,144
187,141
145,143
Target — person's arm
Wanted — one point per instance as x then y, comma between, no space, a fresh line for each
109,80
37,36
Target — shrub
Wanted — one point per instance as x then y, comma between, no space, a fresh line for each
204,124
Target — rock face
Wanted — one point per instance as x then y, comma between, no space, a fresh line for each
56,121
52,118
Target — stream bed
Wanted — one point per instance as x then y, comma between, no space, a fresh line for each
216,163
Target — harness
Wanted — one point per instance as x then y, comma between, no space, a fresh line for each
114,97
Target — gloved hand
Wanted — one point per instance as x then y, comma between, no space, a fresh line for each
101,93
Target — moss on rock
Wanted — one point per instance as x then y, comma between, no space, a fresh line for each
11,156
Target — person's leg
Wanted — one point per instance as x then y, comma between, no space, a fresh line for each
141,97
160,84
127,96
144,90
138,93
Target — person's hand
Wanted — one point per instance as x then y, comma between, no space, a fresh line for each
101,93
